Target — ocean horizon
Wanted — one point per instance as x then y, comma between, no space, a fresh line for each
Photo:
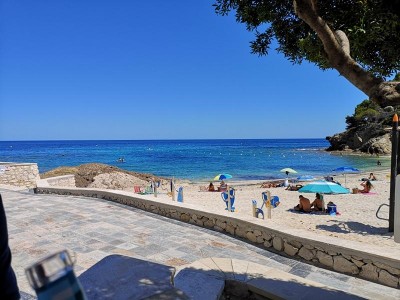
194,159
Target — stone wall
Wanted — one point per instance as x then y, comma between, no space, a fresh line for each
19,174
65,181
371,263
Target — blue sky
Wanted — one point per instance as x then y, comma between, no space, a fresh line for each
99,69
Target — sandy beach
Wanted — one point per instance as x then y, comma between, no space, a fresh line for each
357,220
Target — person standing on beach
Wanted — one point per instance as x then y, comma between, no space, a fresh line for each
8,282
223,186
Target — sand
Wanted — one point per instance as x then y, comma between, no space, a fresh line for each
357,220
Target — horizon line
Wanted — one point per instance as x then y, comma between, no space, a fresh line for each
181,139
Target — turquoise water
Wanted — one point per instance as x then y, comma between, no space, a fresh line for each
192,159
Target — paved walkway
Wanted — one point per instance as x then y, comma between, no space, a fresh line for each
42,224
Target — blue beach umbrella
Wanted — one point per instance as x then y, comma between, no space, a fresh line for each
323,187
305,178
346,170
222,176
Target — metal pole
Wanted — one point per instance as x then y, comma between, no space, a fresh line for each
393,170
173,189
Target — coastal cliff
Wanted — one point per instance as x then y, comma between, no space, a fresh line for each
368,130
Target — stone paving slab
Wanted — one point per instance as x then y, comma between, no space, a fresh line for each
43,224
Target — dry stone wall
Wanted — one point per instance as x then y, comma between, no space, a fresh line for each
369,266
19,174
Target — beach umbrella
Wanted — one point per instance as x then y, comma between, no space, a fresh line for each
323,187
305,178
288,170
222,176
346,170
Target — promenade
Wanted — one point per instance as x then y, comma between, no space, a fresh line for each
93,229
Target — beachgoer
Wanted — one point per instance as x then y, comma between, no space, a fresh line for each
223,186
371,176
304,204
8,282
367,187
378,163
318,203
211,187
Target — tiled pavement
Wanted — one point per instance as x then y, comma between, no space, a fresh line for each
92,229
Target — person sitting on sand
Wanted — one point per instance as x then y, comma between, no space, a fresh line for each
223,186
304,204
372,177
367,187
318,203
211,187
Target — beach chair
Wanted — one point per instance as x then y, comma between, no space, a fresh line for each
224,196
137,189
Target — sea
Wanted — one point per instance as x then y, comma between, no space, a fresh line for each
198,160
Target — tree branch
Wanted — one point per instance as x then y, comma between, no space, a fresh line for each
339,57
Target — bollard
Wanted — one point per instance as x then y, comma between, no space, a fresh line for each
254,208
268,210
268,205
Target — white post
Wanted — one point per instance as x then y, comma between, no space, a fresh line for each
268,205
254,207
397,211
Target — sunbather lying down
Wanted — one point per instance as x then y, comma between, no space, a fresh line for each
294,187
271,184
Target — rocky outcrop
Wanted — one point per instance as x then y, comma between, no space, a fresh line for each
369,138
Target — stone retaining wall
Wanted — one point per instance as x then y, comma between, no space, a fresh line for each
371,263
65,181
19,174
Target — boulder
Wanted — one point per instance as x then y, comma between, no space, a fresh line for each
341,264
277,243
369,271
306,254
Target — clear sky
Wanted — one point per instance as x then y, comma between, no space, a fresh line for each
102,69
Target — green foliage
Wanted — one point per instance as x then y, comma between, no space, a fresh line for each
366,109
372,26
364,112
